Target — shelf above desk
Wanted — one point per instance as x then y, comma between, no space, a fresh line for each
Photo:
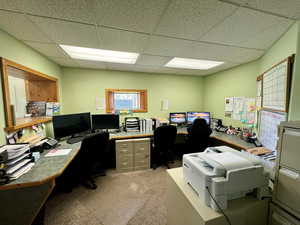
27,122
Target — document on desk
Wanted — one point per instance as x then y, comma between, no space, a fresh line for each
58,152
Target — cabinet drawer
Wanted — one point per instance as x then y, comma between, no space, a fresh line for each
278,216
142,161
142,147
290,151
287,189
124,162
120,152
124,147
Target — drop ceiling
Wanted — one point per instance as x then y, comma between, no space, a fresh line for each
233,31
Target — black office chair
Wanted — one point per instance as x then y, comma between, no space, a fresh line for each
198,136
164,141
87,164
92,157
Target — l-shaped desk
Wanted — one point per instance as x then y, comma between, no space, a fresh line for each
31,190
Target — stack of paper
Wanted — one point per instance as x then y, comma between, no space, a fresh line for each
132,124
18,162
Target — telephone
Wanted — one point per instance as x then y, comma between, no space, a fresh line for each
255,141
50,143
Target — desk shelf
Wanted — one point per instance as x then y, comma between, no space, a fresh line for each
27,122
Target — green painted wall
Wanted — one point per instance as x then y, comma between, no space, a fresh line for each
283,48
241,80
81,87
12,49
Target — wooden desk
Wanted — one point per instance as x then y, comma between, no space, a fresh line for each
184,206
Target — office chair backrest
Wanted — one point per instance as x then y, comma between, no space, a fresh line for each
95,145
198,135
165,136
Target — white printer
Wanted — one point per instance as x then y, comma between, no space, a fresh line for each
222,173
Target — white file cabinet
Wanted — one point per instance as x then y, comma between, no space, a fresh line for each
132,154
287,180
277,216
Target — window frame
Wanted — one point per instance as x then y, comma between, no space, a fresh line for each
109,99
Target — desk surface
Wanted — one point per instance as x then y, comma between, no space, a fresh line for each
230,139
47,168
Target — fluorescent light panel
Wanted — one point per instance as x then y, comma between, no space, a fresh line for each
95,54
195,64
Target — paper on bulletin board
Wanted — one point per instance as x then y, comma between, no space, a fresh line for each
228,104
250,104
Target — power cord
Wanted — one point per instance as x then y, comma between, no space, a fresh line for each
226,217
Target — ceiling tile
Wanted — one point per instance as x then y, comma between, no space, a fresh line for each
288,8
51,50
191,19
21,27
65,61
151,60
69,33
75,10
8,4
91,64
245,25
133,15
222,53
119,40
167,47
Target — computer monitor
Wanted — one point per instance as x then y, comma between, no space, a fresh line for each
178,118
105,121
191,116
71,124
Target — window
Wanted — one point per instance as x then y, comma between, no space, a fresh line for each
126,99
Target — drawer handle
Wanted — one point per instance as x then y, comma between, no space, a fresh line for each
289,173
142,148
123,150
124,164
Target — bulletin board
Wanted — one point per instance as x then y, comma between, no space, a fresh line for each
268,123
275,86
241,108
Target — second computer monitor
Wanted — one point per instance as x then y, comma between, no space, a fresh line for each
191,116
105,121
178,118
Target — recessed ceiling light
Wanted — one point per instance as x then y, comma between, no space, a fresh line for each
95,54
195,64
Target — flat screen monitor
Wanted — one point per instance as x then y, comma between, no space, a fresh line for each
105,121
191,116
71,124
178,118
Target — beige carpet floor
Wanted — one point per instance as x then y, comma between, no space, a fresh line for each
134,198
